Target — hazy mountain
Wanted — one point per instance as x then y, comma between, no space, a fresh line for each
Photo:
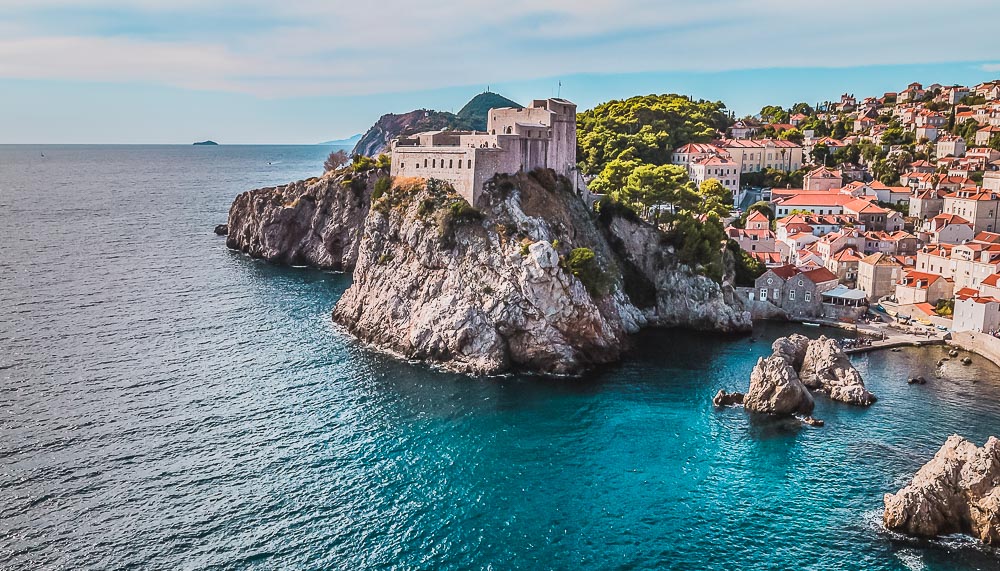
349,142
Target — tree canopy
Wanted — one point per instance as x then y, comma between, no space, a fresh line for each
646,128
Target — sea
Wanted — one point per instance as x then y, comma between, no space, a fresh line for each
166,403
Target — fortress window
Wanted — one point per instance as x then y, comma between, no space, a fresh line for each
434,163
470,163
451,164
425,163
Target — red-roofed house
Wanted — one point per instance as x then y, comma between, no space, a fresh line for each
845,265
977,206
984,135
823,178
919,287
798,293
976,313
757,236
946,229
757,154
873,216
878,274
814,202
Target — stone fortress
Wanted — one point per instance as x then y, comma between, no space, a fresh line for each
515,140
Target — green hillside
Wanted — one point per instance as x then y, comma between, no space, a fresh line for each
474,113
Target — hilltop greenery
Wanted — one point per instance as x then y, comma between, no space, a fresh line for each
645,128
475,112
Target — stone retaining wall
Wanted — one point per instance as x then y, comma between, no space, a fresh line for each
979,343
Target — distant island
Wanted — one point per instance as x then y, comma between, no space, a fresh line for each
206,143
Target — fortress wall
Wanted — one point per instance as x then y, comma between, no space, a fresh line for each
441,163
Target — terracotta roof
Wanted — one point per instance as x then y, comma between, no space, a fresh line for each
757,216
698,148
862,206
880,259
820,275
785,272
767,257
926,308
947,219
991,280
847,255
756,143
826,172
913,278
967,292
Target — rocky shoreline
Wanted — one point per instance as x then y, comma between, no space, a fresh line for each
531,281
958,491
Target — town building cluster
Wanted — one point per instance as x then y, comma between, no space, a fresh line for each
925,248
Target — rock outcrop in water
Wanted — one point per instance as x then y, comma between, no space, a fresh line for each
530,281
775,389
780,383
723,399
958,491
316,222
828,369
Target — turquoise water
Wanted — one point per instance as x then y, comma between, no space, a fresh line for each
168,404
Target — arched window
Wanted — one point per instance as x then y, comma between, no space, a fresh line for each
470,163
434,163
451,163
509,130
425,163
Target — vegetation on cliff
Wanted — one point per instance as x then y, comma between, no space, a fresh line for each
645,128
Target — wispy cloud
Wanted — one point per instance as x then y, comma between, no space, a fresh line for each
316,47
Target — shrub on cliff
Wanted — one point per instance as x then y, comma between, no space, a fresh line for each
546,178
582,263
361,163
382,185
748,268
336,160
698,243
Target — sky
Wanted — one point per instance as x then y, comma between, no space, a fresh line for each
305,71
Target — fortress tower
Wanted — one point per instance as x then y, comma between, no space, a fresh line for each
517,139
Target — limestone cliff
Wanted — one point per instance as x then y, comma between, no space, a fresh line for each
316,222
531,281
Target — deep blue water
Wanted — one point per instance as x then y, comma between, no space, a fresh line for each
168,404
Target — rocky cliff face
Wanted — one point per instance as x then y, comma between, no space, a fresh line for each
316,222
958,491
532,281
484,292
670,294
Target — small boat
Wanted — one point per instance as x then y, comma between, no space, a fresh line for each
810,324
